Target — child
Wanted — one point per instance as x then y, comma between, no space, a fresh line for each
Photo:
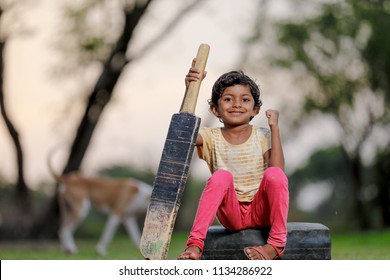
248,187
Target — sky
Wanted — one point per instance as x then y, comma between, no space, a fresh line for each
133,127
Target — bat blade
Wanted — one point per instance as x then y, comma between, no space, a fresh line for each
169,186
172,171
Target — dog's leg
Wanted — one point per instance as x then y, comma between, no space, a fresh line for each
132,228
67,225
70,218
66,237
109,230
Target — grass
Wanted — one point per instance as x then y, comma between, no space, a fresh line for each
359,246
121,248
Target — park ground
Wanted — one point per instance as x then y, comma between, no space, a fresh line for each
352,246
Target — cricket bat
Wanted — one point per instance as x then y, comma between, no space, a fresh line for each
172,172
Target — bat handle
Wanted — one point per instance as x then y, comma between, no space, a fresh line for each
192,92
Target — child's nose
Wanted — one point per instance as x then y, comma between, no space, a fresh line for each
236,103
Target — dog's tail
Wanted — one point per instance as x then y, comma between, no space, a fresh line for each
56,176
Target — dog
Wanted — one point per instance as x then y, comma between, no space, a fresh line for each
124,200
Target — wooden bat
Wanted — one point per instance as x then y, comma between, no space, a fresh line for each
172,172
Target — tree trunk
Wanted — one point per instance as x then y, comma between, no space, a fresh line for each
98,99
22,216
357,187
384,202
382,172
103,90
356,172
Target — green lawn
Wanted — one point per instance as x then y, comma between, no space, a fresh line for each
121,248
367,246
362,246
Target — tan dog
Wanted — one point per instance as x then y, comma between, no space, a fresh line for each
122,199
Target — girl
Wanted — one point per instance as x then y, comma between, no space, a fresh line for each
248,187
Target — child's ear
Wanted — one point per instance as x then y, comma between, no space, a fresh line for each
214,110
256,110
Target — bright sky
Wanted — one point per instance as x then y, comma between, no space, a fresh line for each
134,125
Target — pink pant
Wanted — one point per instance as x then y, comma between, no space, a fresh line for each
268,208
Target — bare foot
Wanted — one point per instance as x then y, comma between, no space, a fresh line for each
266,252
191,253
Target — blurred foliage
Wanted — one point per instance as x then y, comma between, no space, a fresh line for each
330,165
339,55
94,37
345,49
381,174
324,164
327,165
89,30
120,171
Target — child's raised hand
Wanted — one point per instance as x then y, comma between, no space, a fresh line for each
193,74
273,117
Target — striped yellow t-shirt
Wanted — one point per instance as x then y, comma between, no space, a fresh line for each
245,161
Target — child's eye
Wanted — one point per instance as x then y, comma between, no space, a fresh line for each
246,100
227,99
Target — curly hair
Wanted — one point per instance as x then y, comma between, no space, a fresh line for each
230,79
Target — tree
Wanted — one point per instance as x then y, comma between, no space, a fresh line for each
103,90
339,55
112,70
23,216
328,168
382,179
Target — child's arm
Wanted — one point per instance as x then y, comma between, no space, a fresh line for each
199,141
276,157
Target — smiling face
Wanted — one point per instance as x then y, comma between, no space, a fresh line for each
236,106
